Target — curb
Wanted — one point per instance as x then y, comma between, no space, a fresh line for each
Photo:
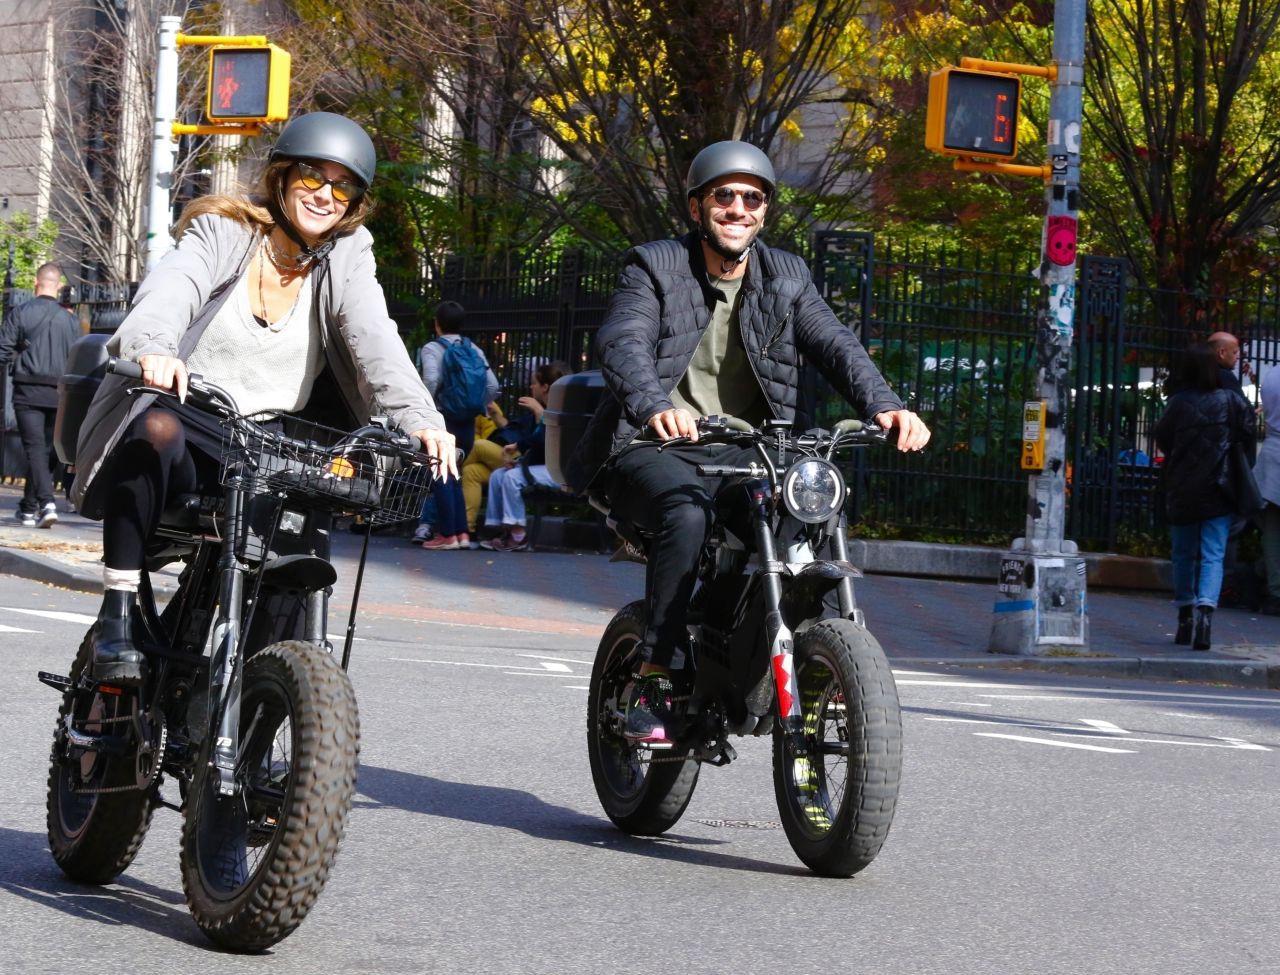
41,568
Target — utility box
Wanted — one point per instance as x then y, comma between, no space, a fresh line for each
1040,604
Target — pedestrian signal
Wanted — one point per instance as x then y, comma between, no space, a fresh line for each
248,84
973,113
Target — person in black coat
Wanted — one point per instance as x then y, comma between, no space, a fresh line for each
1200,426
35,338
714,323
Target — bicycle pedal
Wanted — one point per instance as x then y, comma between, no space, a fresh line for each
56,681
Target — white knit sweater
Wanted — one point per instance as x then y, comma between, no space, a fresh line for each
271,369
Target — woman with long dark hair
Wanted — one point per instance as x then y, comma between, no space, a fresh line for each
1200,427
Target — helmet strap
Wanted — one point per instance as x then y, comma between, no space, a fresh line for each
728,260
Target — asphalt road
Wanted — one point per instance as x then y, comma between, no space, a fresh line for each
1047,824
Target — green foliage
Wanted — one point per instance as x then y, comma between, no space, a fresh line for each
32,245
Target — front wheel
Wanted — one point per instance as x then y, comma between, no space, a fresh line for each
254,863
642,796
836,795
99,802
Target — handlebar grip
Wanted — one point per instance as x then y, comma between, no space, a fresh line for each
717,470
124,367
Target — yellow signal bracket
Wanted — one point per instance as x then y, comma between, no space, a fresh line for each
1043,171
1033,438
207,40
246,130
1007,67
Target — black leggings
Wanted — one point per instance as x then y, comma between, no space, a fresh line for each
152,464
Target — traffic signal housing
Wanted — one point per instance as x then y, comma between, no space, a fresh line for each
973,114
248,84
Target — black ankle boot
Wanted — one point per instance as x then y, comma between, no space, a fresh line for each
1183,635
1204,622
116,659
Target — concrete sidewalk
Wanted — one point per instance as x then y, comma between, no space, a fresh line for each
927,604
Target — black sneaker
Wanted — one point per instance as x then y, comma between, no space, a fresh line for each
649,711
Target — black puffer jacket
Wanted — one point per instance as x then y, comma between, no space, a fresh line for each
656,318
1196,433
36,337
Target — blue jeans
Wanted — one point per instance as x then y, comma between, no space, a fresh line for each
1201,545
451,508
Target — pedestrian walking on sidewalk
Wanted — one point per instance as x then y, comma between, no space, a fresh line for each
34,342
1203,423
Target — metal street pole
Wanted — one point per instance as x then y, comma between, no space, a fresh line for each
164,148
1040,600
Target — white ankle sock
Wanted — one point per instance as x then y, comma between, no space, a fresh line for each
126,579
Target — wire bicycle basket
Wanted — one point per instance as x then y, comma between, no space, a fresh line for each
322,467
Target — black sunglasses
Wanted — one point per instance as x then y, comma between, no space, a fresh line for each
344,190
751,199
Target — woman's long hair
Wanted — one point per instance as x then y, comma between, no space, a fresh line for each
254,210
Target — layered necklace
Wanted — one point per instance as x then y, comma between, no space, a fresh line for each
286,263
267,251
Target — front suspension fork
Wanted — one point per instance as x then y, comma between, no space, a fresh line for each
779,635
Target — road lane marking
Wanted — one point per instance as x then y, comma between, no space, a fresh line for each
15,629
563,660
1106,726
53,614
523,671
1084,694
1237,743
1059,744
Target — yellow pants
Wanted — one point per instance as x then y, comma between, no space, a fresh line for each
485,458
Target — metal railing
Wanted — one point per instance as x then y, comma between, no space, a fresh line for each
954,333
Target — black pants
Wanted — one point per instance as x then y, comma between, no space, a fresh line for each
663,494
35,427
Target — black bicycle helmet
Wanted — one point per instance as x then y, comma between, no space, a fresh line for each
724,159
329,137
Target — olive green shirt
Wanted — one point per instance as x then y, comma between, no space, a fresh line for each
720,380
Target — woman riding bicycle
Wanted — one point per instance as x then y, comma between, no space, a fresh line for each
272,297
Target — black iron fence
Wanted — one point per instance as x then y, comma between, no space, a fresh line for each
954,333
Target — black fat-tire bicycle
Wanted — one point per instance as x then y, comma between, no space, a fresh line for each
262,740
776,646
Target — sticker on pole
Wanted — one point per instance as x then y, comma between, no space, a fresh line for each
1060,240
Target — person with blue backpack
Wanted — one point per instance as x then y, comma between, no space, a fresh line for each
458,376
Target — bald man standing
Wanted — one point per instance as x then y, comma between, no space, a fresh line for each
35,338
1227,348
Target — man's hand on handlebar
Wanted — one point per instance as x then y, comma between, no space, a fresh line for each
165,372
912,433
439,445
674,423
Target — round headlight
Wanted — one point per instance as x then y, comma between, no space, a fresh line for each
813,490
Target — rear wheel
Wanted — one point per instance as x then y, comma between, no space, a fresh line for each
254,863
99,804
836,796
642,796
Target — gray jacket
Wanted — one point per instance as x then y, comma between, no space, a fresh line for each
362,347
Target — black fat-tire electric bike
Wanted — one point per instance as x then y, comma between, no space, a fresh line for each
776,646
262,741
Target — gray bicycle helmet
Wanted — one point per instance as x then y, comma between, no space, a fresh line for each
329,137
724,159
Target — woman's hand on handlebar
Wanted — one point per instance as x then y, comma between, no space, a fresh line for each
165,372
912,433
439,445
674,423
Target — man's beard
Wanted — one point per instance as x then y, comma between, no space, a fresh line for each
733,253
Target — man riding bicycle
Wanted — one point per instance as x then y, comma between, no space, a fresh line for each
714,323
